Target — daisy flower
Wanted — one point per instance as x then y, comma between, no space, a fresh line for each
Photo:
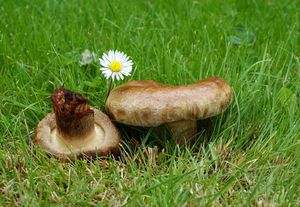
115,64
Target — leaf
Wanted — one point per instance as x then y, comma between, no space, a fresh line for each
242,36
93,84
239,28
235,40
288,99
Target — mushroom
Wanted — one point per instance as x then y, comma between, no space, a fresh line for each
151,104
75,129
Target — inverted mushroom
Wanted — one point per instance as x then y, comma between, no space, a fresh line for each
75,129
151,104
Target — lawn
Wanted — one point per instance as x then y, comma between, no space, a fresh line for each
249,155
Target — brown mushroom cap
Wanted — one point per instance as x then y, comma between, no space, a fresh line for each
76,129
150,104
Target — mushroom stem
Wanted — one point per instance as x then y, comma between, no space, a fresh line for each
74,117
184,130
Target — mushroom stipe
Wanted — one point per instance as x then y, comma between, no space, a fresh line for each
75,129
151,104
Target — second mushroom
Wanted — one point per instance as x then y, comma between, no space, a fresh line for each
151,104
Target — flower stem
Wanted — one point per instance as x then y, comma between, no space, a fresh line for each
108,91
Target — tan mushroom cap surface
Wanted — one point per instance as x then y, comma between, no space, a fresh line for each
103,139
150,104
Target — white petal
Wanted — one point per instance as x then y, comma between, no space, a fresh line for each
121,76
118,55
127,69
111,55
117,76
128,63
113,76
104,63
102,69
126,73
123,59
126,58
107,73
106,58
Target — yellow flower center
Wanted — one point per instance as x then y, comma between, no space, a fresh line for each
115,66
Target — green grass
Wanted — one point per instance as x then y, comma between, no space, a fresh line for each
250,155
